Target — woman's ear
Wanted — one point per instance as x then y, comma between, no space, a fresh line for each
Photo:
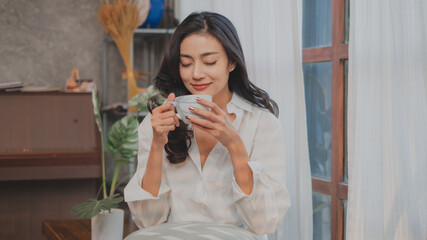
231,66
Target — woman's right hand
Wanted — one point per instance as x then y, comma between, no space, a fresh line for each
164,120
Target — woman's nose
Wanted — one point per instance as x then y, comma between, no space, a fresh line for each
198,72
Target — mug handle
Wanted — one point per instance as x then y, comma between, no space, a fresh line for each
177,113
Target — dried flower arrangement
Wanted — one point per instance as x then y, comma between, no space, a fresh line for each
120,19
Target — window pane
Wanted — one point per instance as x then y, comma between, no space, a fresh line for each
347,20
318,87
345,122
321,216
316,23
345,217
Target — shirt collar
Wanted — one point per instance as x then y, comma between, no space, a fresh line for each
238,102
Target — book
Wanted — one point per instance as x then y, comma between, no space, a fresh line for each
40,89
11,86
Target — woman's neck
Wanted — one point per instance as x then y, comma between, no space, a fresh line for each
222,100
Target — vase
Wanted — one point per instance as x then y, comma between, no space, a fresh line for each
108,225
155,14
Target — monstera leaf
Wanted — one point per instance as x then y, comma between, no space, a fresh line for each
123,138
122,145
141,99
92,207
96,107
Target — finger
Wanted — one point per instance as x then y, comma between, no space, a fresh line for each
166,114
164,107
201,122
195,125
214,108
176,119
172,109
204,113
165,122
171,97
165,129
202,126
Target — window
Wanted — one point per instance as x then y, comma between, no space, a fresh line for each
325,54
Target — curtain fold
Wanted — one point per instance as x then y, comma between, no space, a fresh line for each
387,116
270,32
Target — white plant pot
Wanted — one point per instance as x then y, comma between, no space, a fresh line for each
108,225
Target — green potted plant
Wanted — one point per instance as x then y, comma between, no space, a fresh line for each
122,146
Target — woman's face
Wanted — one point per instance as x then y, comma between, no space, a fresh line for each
204,66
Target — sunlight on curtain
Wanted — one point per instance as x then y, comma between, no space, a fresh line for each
387,120
270,32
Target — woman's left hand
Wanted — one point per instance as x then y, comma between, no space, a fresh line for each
217,122
219,125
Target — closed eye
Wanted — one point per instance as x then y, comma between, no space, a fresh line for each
210,63
185,65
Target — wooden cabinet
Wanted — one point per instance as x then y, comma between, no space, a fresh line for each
50,159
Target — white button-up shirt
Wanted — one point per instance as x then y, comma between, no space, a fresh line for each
211,194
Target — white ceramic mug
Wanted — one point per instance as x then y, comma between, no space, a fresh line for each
182,104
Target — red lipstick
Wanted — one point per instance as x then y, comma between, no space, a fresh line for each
200,87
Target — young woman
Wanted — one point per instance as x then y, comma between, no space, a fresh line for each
226,168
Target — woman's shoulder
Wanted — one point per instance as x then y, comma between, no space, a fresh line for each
266,119
263,112
253,109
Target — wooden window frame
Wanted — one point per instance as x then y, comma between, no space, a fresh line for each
336,54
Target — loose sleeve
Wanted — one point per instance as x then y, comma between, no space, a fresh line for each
265,206
147,210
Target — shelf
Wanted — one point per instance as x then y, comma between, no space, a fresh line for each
153,31
150,36
150,39
148,32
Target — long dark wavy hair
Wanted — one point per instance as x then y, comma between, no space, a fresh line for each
168,79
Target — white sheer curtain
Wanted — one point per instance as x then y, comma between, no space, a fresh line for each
270,32
387,134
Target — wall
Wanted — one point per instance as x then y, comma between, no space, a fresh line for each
41,41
